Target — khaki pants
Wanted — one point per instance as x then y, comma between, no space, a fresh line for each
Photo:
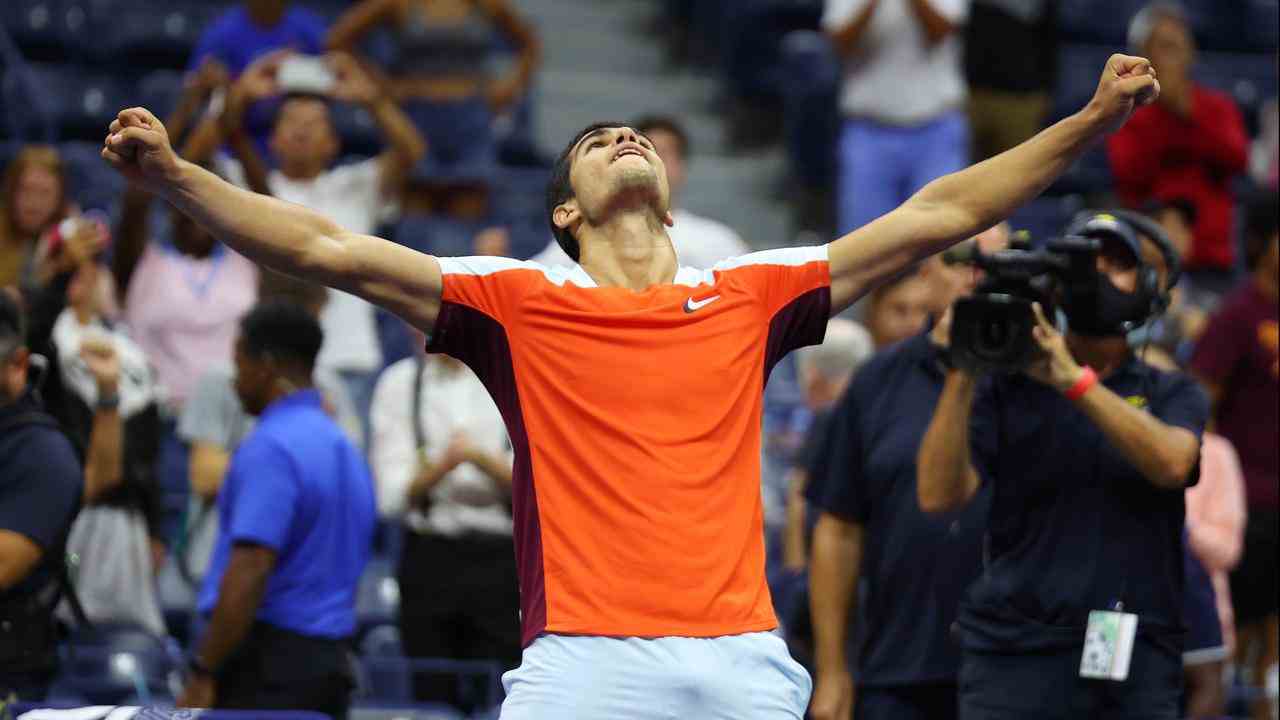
999,120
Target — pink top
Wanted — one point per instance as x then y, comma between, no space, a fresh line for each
183,312
1216,514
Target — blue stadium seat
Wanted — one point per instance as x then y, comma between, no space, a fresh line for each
382,641
811,119
158,91
378,596
1103,22
436,235
80,102
110,665
148,33
429,711
1045,217
357,129
1250,78
1079,67
92,182
47,30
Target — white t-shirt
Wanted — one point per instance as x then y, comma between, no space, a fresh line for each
894,76
699,242
451,399
350,195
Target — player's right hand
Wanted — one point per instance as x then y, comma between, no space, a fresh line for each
138,146
832,696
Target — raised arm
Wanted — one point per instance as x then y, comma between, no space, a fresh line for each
962,204
845,33
283,236
937,25
506,90
945,476
405,146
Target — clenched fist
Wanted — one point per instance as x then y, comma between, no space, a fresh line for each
138,146
1127,82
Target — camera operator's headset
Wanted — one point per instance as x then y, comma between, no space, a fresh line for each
1126,225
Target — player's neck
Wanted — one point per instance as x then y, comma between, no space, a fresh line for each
630,249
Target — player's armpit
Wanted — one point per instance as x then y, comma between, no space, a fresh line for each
402,280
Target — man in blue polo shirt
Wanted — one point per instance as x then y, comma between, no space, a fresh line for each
914,566
296,521
1086,455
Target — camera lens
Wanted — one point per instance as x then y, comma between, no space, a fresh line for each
995,335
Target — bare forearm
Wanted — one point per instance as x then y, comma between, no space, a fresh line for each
239,597
945,478
285,237
207,467
426,479
794,556
496,467
104,460
1164,454
833,573
406,143
936,26
355,23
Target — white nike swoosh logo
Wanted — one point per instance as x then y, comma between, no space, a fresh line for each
691,305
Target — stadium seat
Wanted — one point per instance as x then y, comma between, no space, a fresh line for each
431,711
1250,78
436,235
1045,217
158,91
357,129
80,102
1079,67
111,665
147,33
46,30
1102,22
382,641
811,117
378,596
92,183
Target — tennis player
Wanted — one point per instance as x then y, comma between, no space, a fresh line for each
632,390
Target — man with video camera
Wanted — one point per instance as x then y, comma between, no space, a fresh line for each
1087,451
40,489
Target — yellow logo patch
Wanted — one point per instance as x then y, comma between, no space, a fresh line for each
1137,401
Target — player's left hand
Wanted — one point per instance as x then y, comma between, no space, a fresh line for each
1054,366
1127,82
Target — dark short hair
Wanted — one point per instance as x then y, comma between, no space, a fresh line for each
282,330
1261,223
647,124
559,189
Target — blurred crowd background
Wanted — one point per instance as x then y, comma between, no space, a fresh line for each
781,122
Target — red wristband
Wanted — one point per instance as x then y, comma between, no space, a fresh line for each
1088,378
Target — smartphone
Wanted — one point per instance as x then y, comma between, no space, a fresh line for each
305,74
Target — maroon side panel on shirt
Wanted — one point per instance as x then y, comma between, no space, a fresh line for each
801,322
481,342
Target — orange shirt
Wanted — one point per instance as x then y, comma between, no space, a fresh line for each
635,418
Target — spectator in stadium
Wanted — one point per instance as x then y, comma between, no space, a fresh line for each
110,411
297,516
699,241
825,371
1009,101
1215,539
440,72
1238,360
32,201
40,489
304,145
899,309
254,28
1097,528
214,422
442,461
894,142
914,567
182,293
1189,145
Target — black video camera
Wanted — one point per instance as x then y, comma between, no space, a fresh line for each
991,330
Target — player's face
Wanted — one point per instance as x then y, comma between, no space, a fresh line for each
303,139
35,200
615,168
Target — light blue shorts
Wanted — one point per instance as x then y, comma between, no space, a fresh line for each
733,677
